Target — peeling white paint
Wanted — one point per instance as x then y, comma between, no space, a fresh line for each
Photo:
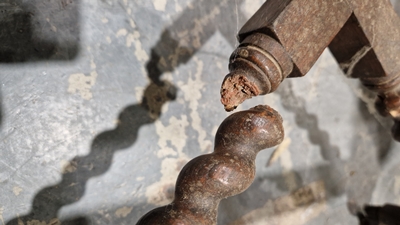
139,93
121,32
192,38
123,212
68,166
200,23
173,133
159,5
82,84
140,53
192,94
17,190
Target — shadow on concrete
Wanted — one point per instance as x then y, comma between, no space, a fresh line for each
309,122
206,16
49,201
180,41
38,30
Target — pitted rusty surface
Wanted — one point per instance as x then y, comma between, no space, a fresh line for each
72,110
257,67
364,44
228,171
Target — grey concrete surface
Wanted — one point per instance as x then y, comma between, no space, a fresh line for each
104,101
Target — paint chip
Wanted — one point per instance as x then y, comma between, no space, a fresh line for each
160,4
192,95
17,190
123,212
82,84
69,167
121,32
104,20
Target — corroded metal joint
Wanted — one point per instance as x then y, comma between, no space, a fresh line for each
387,102
382,85
257,67
229,170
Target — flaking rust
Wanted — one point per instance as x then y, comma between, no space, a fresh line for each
285,38
229,170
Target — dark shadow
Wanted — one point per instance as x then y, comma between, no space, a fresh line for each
49,201
38,30
309,122
369,152
177,44
333,175
196,25
76,221
357,185
375,215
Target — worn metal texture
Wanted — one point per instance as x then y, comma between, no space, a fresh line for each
304,28
257,67
364,45
96,130
207,179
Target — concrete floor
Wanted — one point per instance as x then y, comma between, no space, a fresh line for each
103,102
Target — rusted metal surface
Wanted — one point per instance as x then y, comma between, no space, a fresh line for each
304,28
228,171
257,67
362,35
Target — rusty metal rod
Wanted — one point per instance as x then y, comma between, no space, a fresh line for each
228,171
